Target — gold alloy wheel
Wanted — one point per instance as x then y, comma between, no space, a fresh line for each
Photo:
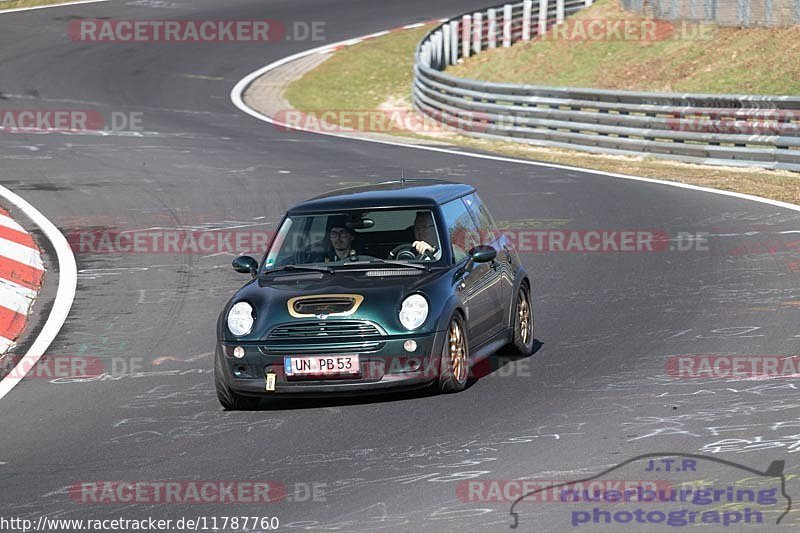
523,317
458,352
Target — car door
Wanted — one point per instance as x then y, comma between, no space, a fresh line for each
478,285
504,264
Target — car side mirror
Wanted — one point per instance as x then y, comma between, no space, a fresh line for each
482,254
245,265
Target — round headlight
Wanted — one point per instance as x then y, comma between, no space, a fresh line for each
240,319
414,311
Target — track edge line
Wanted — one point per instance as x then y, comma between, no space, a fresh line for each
65,294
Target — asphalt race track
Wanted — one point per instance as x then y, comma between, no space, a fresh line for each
595,393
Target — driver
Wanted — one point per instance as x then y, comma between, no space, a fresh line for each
424,233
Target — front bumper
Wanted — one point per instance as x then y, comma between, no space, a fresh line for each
387,368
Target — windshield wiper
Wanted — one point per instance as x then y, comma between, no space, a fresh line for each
390,262
290,268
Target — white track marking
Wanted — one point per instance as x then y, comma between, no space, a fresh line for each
16,297
65,294
5,346
10,223
31,8
237,97
20,253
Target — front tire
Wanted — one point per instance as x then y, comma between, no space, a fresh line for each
454,361
522,342
228,399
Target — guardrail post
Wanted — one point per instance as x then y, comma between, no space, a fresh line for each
466,32
768,12
675,10
559,11
527,7
743,12
711,10
454,42
477,32
589,2
797,11
492,30
506,25
542,17
437,50
445,45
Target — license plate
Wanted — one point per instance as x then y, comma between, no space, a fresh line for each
321,365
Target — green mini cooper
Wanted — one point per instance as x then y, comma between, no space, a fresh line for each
396,285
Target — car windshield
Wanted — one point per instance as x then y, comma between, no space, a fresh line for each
346,237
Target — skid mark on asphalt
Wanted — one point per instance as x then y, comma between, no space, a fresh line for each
202,424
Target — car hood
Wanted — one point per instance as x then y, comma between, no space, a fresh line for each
382,298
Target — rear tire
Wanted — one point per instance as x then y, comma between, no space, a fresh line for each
454,360
522,342
228,399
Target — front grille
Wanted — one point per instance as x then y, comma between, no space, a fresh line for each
321,331
317,348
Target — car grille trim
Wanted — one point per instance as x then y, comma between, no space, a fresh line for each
324,304
321,330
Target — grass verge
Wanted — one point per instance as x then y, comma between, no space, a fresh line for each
657,56
370,74
13,4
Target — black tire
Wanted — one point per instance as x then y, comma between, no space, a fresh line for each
228,399
454,378
522,344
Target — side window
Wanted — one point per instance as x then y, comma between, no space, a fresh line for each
462,229
486,227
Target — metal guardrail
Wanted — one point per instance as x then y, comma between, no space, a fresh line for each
720,129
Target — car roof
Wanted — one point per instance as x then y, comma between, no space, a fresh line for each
401,193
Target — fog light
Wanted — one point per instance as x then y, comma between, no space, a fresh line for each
410,345
238,352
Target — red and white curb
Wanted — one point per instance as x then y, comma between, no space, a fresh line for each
21,273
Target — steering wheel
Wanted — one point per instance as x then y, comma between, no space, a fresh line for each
407,252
